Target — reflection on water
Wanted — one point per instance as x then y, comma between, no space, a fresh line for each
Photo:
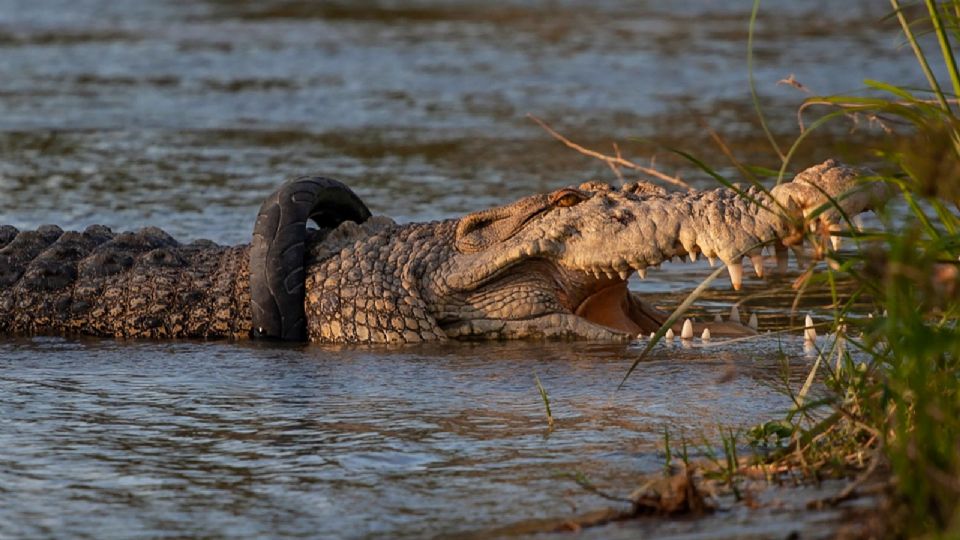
184,115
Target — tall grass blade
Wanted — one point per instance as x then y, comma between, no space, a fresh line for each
753,85
944,40
918,52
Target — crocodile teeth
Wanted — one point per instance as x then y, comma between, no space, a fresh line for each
736,274
687,331
858,223
712,261
753,322
693,256
735,315
757,261
669,335
642,272
836,241
717,317
705,335
624,275
609,274
809,332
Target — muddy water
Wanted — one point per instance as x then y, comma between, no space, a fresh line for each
184,115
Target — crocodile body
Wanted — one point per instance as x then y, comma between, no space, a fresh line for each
133,284
551,265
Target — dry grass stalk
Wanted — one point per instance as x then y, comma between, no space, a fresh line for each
614,162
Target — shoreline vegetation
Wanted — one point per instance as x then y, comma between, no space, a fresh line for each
881,404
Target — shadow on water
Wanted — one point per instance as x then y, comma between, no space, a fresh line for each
184,115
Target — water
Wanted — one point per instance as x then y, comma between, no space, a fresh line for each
104,438
184,115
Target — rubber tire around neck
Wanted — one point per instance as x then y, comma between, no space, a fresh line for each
277,254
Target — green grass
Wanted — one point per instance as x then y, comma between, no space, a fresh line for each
887,390
546,400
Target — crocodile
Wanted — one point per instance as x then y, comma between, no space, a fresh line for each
550,265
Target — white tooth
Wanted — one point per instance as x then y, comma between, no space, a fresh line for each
669,335
858,223
735,315
693,256
836,241
642,272
712,261
640,336
609,274
705,335
687,331
813,226
624,275
782,258
717,317
753,322
809,332
735,269
652,335
757,261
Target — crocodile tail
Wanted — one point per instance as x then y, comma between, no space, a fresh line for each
277,254
129,284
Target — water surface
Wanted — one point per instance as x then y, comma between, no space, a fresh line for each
103,438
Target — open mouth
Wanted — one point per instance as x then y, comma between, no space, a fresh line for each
544,299
614,307
606,301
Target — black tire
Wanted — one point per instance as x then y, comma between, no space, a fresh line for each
279,247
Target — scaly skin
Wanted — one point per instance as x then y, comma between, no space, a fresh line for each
548,266
131,285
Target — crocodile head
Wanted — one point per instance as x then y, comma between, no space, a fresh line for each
557,264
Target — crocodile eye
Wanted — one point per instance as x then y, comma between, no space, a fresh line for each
570,198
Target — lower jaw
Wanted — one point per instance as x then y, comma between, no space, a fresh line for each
550,326
612,314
